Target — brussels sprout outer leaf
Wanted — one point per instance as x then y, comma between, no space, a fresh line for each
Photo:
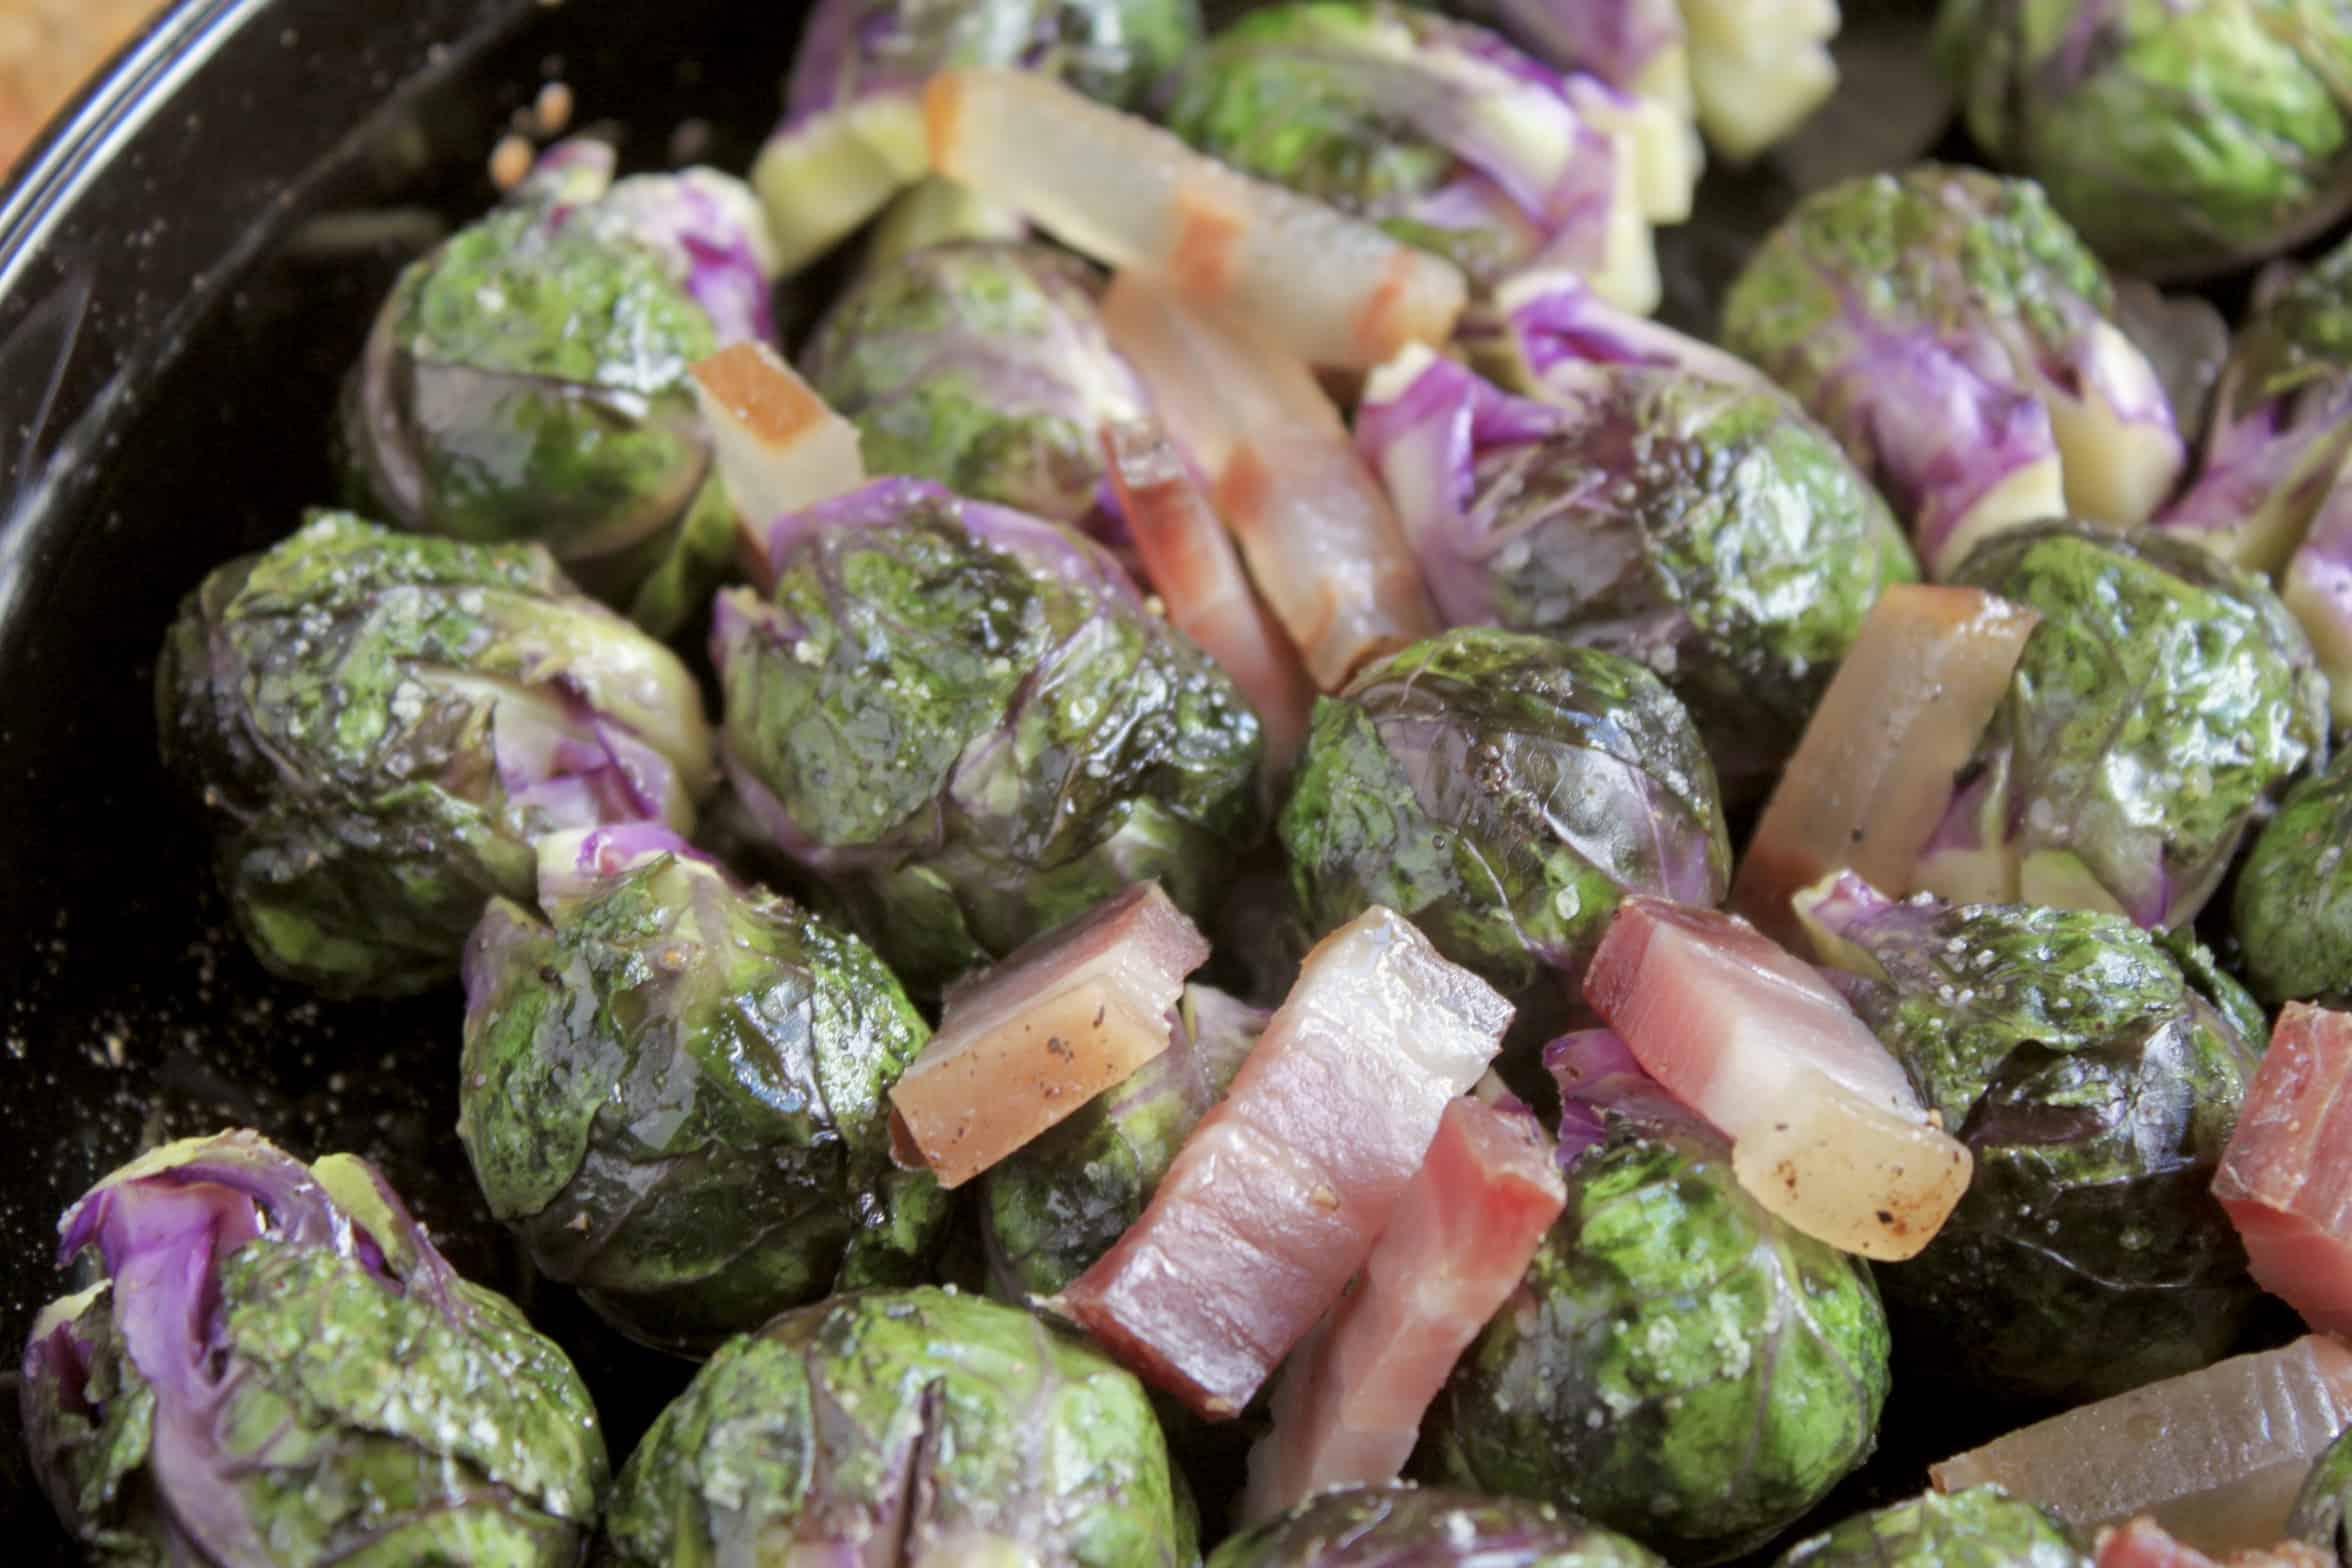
2286,1176
919,1424
1505,792
1130,195
1427,1527
1982,1527
2238,1438
1349,1407
1826,1131
2096,1090
2292,909
1679,1364
1872,775
1064,1017
2318,592
1277,1196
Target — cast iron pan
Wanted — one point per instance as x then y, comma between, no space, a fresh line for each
187,266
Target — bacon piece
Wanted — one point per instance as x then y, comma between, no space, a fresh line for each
1189,559
2144,1543
1825,1129
1328,288
1028,1041
2286,1173
1273,1203
779,448
1873,774
1322,542
2214,1456
1348,1409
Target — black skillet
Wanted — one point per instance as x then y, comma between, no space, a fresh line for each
187,265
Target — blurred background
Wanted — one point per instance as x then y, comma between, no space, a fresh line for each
47,47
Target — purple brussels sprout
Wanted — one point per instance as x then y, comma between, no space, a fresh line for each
2161,706
1428,1527
381,724
852,135
983,366
1439,131
967,720
278,1368
675,1092
529,378
1706,529
1954,334
2282,421
909,1426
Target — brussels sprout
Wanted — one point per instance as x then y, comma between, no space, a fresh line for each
2164,701
1504,792
1055,1206
1412,1527
1437,130
853,135
2095,1087
1115,50
1636,46
381,723
1679,1365
2323,1510
984,367
912,1426
675,1094
966,718
527,380
1954,334
1711,532
2282,423
2181,139
2292,910
1982,1527
279,1369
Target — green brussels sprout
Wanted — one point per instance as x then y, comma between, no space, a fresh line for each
2292,910
966,718
2164,701
1955,334
983,366
1505,792
675,1094
1982,1527
381,724
1678,1364
1439,131
2181,139
903,1426
1707,530
2323,1509
528,378
1427,1527
2095,1087
1054,1206
279,1369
